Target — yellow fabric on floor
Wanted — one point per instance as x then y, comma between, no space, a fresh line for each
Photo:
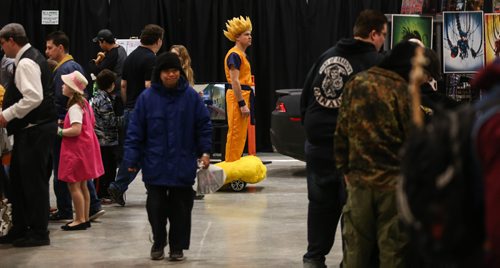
248,169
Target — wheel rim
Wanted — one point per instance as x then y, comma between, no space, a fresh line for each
237,185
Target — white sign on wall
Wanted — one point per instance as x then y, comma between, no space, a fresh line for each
50,17
129,44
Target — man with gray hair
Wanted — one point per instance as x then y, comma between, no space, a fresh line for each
29,114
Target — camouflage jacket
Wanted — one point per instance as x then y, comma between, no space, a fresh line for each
373,121
106,122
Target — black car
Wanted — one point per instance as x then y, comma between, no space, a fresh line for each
287,132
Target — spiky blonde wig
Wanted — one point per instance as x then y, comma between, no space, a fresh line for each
236,26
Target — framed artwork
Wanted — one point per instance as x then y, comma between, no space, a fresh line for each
453,5
491,36
462,5
495,6
412,6
405,27
475,5
463,42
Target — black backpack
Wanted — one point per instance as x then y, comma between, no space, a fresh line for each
441,196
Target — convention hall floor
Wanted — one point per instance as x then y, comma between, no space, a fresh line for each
265,226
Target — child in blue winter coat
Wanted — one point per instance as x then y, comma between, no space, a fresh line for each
168,132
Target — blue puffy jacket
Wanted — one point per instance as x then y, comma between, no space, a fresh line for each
167,132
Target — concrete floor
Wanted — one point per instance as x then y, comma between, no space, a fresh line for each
265,226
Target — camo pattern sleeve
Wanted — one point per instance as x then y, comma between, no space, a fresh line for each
373,121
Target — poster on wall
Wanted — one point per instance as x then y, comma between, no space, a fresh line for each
474,5
462,5
453,5
405,27
412,6
491,36
463,41
496,6
129,44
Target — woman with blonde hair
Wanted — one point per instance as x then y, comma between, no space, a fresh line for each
185,59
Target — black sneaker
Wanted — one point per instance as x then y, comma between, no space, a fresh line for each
59,217
157,252
117,196
313,263
176,255
96,214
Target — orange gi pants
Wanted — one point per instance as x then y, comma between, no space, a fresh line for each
237,126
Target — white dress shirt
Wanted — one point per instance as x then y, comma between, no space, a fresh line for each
29,82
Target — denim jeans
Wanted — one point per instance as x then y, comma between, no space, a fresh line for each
326,194
63,196
124,178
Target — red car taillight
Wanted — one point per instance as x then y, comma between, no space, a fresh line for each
280,107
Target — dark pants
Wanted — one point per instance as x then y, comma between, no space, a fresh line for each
61,190
109,161
326,194
29,171
372,229
174,204
124,178
4,183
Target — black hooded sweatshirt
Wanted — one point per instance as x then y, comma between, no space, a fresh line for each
321,95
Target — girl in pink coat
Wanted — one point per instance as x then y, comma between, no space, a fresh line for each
80,158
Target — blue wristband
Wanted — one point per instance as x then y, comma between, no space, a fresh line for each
241,103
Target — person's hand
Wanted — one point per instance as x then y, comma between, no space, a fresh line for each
205,161
3,122
132,169
100,57
60,122
244,111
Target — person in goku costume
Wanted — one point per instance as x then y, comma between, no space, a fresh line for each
239,96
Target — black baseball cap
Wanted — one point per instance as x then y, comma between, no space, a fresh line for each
104,35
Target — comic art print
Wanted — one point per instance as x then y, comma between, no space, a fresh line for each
463,41
491,36
405,27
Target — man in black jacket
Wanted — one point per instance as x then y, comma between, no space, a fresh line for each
320,100
29,114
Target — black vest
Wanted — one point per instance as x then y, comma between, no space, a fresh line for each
46,111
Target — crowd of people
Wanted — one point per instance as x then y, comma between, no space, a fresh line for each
357,113
355,107
81,134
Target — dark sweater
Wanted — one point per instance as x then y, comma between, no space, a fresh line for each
321,95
